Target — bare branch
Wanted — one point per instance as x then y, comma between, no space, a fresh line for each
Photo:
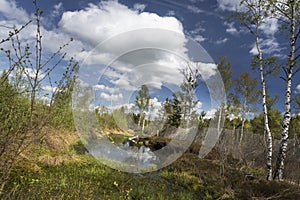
16,32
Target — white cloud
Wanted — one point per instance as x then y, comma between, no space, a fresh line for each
210,113
96,23
171,13
129,106
162,40
195,1
57,9
221,41
194,9
198,28
229,5
10,10
270,26
110,18
49,88
46,100
268,46
113,97
231,29
139,7
156,107
198,107
199,38
297,90
206,69
104,88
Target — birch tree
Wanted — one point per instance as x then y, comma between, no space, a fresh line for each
187,94
253,17
142,102
225,69
247,96
287,12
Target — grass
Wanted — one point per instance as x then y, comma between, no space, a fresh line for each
74,175
90,179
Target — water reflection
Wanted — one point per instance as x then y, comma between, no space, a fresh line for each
126,154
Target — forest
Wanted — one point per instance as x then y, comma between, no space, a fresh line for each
50,140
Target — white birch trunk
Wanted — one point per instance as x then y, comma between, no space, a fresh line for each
242,132
143,126
287,113
140,118
243,121
219,120
265,111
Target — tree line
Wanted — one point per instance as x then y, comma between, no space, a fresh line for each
24,114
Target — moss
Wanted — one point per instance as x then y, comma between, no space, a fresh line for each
79,148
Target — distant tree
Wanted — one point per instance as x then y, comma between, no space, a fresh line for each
61,115
274,117
246,95
225,69
142,102
187,94
175,112
203,122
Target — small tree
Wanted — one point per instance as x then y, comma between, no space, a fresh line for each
225,69
142,102
23,113
246,95
187,94
174,112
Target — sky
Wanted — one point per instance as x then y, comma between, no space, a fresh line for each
123,44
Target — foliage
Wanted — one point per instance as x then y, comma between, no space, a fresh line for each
173,110
275,117
24,114
142,102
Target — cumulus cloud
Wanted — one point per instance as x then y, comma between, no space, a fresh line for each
199,38
155,108
194,9
231,29
198,28
99,22
112,97
268,46
270,26
11,11
222,41
297,90
210,113
49,88
52,39
105,88
229,5
139,7
171,13
206,70
139,47
57,9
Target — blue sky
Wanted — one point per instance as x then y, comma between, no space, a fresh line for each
107,23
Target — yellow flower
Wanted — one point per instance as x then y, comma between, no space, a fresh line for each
116,184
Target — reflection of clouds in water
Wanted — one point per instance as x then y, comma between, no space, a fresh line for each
150,62
142,157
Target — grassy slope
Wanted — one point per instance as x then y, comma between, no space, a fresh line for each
57,170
